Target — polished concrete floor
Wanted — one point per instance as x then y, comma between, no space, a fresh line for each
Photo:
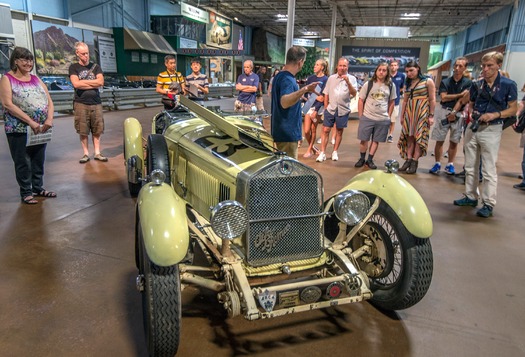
67,269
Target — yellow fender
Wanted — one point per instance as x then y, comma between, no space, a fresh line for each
162,216
133,139
400,195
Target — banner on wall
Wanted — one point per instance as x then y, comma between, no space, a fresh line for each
106,54
194,13
366,58
219,32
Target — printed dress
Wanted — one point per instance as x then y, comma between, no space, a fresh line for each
415,121
31,98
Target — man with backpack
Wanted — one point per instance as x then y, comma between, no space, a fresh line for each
376,103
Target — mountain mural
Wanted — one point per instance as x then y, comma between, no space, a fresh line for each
53,39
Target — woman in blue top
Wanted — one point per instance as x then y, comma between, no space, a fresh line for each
27,106
315,111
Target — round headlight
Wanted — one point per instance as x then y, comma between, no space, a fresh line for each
392,166
229,219
157,177
351,206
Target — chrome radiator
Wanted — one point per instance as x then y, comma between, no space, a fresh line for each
284,200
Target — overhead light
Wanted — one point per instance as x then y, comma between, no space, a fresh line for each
409,18
325,39
412,14
236,19
281,16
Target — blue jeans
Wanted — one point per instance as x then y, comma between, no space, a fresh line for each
29,163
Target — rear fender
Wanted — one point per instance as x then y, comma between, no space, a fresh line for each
400,195
133,139
162,215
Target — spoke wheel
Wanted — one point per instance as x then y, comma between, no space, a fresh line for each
399,265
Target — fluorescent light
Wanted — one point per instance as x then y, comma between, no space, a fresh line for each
281,16
325,39
409,18
412,14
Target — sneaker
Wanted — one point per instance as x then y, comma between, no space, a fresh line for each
370,164
465,201
485,211
84,159
335,157
449,169
360,163
435,169
390,139
520,186
321,157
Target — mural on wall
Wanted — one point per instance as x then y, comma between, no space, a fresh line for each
436,55
219,32
365,59
55,47
276,48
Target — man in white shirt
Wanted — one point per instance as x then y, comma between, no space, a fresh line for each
339,90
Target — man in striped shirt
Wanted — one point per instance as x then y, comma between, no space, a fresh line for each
170,82
196,82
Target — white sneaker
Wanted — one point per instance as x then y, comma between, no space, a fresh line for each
335,157
333,141
321,157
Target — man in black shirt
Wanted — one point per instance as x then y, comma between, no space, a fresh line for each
451,90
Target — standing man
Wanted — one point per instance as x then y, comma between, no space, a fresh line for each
398,79
286,106
492,99
259,99
87,78
376,103
339,90
197,82
170,82
451,90
247,85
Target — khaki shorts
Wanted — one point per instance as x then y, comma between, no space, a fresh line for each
290,148
439,133
88,118
395,114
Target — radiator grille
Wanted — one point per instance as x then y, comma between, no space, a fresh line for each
272,195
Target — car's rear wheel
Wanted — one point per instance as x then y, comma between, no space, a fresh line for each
161,304
157,156
399,265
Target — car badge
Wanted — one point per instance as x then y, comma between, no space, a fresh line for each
286,167
334,290
267,300
311,294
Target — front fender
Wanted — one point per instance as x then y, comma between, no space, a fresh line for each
133,139
162,215
400,195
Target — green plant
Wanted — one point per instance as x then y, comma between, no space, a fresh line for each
49,56
39,54
308,66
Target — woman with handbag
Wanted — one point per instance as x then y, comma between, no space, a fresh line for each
28,106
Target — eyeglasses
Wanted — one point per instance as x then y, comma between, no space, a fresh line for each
23,60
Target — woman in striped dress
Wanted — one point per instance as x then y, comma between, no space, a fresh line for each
418,115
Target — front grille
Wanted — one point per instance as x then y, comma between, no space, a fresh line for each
272,196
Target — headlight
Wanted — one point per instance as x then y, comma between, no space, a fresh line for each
351,206
229,219
392,166
157,177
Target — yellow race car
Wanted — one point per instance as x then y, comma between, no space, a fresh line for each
272,244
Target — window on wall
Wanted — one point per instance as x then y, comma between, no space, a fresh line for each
474,46
495,38
178,26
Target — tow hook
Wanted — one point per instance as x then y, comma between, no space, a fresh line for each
139,282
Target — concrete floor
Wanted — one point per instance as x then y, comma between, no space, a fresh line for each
67,269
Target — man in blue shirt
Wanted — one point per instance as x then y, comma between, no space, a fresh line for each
491,99
399,80
247,85
286,106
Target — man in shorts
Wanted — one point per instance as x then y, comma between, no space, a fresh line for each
87,78
338,91
398,79
451,90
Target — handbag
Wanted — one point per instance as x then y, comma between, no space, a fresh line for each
520,126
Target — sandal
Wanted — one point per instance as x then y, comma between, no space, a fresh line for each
84,159
44,193
99,157
29,200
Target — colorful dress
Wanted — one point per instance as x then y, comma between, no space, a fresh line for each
415,121
31,98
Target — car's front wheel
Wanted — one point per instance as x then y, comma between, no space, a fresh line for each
399,265
161,304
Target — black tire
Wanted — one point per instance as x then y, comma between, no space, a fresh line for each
161,305
158,156
400,266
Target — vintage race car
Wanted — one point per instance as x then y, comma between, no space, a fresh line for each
272,243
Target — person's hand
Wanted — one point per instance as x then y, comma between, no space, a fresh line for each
311,87
35,127
430,120
451,117
46,126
